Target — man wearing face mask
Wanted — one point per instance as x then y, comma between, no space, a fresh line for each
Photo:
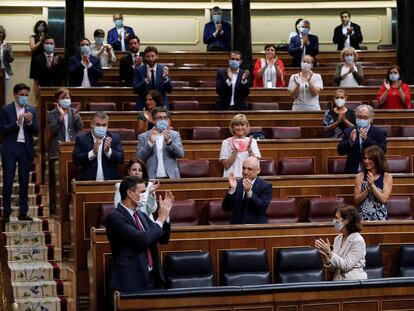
18,126
217,33
151,76
160,147
134,238
232,85
130,62
118,36
98,152
84,69
303,44
355,140
347,34
49,69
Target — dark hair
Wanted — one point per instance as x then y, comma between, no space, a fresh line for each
156,96
37,24
99,32
81,39
160,109
143,166
3,30
376,155
297,23
345,12
150,48
236,52
129,183
270,45
350,213
20,86
60,92
391,68
133,37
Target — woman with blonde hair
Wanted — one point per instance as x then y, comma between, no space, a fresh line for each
349,73
236,149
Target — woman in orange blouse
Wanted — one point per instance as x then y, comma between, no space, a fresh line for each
269,71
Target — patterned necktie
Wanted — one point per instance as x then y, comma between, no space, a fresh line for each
141,228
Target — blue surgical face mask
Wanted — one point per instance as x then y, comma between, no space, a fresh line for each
349,59
362,123
394,77
119,23
40,29
65,103
22,100
305,66
49,48
99,40
85,49
100,131
217,19
304,31
234,64
161,125
337,224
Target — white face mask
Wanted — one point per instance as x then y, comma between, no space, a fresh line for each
338,225
305,66
339,102
139,202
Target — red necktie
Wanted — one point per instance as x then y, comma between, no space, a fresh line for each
141,228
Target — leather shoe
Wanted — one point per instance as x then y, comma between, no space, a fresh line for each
24,217
6,219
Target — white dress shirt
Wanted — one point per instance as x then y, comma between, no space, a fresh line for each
20,111
122,32
159,144
99,172
85,80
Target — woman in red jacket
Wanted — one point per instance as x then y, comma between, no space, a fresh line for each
269,71
394,94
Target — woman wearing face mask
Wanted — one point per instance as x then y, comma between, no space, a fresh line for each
104,52
236,149
373,185
394,94
339,118
148,201
269,71
36,42
305,87
153,99
6,57
347,258
349,73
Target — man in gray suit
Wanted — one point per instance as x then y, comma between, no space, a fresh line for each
161,142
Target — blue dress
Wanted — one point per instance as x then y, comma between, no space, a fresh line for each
372,208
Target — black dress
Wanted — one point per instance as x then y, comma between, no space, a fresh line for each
38,51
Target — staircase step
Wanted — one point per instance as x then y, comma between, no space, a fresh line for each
31,201
31,271
24,226
32,212
15,190
35,289
27,253
33,239
39,304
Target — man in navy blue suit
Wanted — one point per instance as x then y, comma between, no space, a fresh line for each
303,44
232,85
18,125
130,62
217,33
84,69
118,36
355,140
133,238
151,76
248,197
98,152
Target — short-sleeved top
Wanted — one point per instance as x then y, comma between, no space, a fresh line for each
141,117
349,80
305,100
237,166
331,117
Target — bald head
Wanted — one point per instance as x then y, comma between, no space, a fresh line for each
251,168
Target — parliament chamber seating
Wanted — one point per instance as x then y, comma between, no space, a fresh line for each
399,207
286,132
206,132
193,65
129,106
353,104
180,83
244,267
406,261
102,106
267,167
125,134
323,209
374,82
282,210
296,166
325,104
206,83
384,47
399,164
386,128
184,213
264,106
184,105
336,165
407,130
216,215
188,269
373,262
299,264
193,168
103,211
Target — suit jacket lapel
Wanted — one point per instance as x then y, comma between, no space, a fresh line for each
125,213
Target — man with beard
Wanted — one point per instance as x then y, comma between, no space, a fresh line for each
130,62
